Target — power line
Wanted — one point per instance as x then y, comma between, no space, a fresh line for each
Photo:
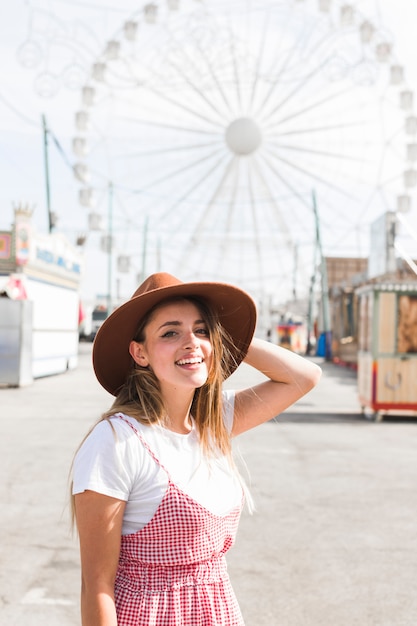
19,114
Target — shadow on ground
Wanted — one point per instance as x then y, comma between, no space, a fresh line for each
316,417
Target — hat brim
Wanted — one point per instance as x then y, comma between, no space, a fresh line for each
111,359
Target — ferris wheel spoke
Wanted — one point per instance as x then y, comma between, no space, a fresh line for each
280,222
259,58
236,73
285,235
184,198
311,175
231,207
186,168
285,182
255,221
313,151
163,95
310,108
215,79
333,206
191,61
200,93
292,53
321,129
183,107
167,150
232,164
302,84
200,227
381,169
176,127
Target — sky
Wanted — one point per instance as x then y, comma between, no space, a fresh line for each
40,80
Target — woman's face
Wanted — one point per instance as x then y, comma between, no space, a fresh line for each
176,347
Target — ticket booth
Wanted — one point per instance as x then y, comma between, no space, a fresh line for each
387,349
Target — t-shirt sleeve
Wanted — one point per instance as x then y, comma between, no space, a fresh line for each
228,408
106,462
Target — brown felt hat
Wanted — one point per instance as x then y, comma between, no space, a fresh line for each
111,359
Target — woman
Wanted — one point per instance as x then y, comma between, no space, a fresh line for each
157,497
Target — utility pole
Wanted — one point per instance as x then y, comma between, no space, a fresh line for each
46,165
324,286
110,249
311,297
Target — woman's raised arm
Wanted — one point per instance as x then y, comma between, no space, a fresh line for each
290,377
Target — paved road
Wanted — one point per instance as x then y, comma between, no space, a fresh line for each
333,541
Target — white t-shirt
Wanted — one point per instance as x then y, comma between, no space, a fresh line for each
113,461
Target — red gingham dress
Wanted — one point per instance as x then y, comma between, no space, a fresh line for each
173,571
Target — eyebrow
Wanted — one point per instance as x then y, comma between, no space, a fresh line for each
178,323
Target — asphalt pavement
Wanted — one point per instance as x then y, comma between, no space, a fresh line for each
333,540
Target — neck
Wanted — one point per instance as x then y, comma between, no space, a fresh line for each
178,412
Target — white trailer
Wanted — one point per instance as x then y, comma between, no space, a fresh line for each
44,269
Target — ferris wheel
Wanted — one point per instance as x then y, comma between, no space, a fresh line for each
218,125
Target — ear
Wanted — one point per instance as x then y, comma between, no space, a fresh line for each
137,353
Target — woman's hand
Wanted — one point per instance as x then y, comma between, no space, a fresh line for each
290,377
99,522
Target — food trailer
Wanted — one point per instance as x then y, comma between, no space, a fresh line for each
39,302
387,348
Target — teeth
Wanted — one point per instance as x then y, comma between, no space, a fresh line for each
189,361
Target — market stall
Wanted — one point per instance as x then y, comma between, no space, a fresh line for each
387,356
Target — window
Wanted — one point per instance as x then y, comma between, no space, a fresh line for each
407,324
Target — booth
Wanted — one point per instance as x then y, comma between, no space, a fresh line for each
39,302
387,348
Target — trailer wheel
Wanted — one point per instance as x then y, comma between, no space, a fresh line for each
367,413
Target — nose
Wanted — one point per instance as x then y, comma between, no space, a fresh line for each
191,340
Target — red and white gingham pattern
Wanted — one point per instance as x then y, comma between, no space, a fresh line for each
173,571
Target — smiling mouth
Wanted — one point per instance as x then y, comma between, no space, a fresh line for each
193,361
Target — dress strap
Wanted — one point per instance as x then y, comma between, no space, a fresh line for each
144,443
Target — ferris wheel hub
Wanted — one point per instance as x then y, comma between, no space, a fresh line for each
243,136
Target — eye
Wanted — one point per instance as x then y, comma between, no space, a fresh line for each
169,333
202,331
